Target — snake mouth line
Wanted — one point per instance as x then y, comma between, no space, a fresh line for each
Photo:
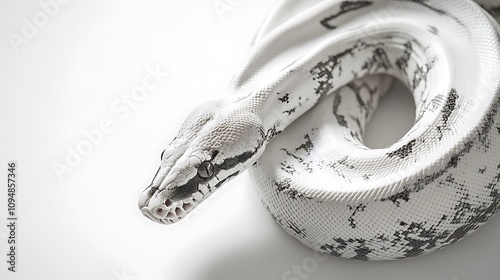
172,215
145,211
167,211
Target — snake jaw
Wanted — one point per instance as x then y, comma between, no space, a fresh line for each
169,210
173,213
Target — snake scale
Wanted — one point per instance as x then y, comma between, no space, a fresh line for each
295,115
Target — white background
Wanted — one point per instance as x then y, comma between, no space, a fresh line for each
67,78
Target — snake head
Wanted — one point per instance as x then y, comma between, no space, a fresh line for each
215,143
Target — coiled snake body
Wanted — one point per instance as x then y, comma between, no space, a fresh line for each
296,114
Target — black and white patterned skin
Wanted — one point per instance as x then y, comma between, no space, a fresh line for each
296,115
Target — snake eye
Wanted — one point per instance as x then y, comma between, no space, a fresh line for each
161,156
206,170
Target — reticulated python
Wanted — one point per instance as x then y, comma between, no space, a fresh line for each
296,113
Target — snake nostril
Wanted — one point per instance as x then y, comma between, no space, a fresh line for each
168,202
159,211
